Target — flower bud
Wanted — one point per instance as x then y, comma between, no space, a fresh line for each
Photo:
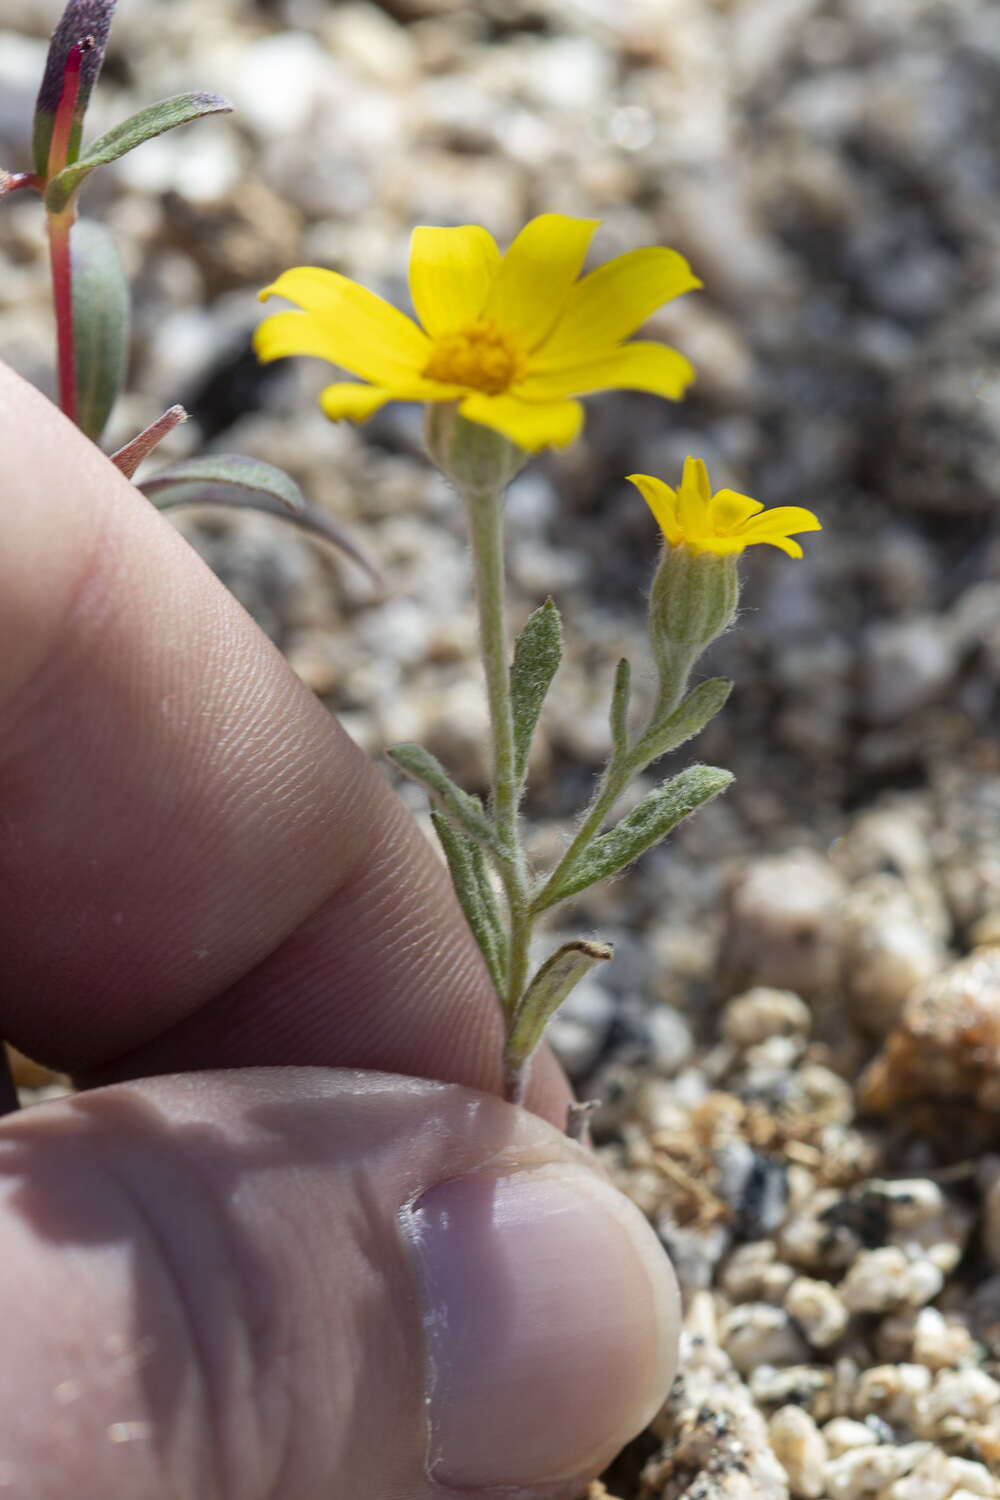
478,460
693,600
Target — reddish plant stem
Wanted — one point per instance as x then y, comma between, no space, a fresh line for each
59,230
62,125
62,298
11,181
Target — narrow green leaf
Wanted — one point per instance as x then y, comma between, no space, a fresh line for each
619,709
242,483
100,323
537,655
476,897
217,473
547,991
138,128
647,823
80,21
459,806
687,720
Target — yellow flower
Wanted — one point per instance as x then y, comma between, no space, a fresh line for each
511,338
724,522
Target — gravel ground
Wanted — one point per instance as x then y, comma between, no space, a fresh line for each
797,1046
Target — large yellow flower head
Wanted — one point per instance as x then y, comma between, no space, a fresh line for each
512,338
726,522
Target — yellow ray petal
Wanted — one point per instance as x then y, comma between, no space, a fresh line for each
633,367
695,478
362,332
451,272
692,506
346,398
784,542
610,303
536,274
534,426
729,510
779,522
662,501
291,333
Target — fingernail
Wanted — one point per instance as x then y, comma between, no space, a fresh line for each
551,1319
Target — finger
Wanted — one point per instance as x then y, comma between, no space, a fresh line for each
295,1283
198,867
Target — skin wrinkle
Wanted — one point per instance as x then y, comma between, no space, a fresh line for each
209,1452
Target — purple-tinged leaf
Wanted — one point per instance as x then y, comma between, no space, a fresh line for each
130,455
82,19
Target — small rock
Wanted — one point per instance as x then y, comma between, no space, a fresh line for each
885,1278
754,1185
946,1046
890,1392
801,1451
782,924
887,949
756,1333
842,1434
818,1310
753,1274
867,1471
808,1386
938,1343
670,1040
762,1013
905,665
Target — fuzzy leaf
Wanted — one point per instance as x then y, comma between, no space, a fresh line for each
81,19
100,323
215,474
547,991
232,479
537,655
619,709
647,823
149,122
462,809
476,896
687,720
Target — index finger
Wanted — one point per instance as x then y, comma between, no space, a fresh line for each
198,867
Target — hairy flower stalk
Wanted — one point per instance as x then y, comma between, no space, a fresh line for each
504,345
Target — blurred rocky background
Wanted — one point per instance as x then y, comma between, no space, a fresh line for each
798,1045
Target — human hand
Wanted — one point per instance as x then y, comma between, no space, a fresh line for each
297,1281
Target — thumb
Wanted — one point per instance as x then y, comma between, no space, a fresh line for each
300,1283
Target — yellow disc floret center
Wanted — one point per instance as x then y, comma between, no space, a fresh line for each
480,357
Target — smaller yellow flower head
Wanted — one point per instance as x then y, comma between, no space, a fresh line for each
691,516
511,338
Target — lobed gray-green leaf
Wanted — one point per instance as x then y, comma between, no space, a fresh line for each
651,820
537,655
619,709
463,809
688,719
547,991
476,896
